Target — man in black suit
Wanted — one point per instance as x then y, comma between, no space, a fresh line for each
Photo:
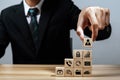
55,19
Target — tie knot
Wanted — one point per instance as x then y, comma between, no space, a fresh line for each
33,11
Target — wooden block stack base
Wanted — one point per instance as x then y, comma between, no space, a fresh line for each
81,63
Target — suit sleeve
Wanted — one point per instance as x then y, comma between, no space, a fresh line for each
4,40
74,14
102,34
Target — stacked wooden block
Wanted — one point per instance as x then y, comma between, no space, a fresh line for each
80,64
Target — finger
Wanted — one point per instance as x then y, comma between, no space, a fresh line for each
83,20
94,24
80,33
92,16
107,16
101,17
80,26
94,32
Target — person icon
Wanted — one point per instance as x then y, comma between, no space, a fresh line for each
88,42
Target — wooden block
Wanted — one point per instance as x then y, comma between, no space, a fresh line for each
59,71
87,42
78,62
68,62
68,72
87,72
87,62
77,72
77,53
87,54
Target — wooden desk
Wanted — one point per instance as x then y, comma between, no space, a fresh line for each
47,72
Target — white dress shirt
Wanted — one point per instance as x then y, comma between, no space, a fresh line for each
27,7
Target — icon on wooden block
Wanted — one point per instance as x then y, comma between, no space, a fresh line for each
59,71
87,54
78,62
68,72
68,62
77,53
87,71
77,71
87,42
87,63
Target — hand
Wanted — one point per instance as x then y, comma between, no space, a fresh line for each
96,18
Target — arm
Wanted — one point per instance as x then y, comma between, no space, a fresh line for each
103,32
95,23
74,12
3,37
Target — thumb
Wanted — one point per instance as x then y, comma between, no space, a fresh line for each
80,33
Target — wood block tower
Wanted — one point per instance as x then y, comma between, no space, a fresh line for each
81,63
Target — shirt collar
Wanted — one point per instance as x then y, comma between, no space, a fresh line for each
27,7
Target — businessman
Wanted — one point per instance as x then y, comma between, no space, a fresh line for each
39,30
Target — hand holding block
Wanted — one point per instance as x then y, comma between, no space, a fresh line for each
68,62
87,42
59,71
77,53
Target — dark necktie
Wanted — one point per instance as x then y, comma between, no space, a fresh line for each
34,24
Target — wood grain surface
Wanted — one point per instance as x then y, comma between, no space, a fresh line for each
47,72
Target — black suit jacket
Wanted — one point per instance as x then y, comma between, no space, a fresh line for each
57,18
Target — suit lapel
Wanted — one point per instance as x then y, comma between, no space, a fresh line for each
24,27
